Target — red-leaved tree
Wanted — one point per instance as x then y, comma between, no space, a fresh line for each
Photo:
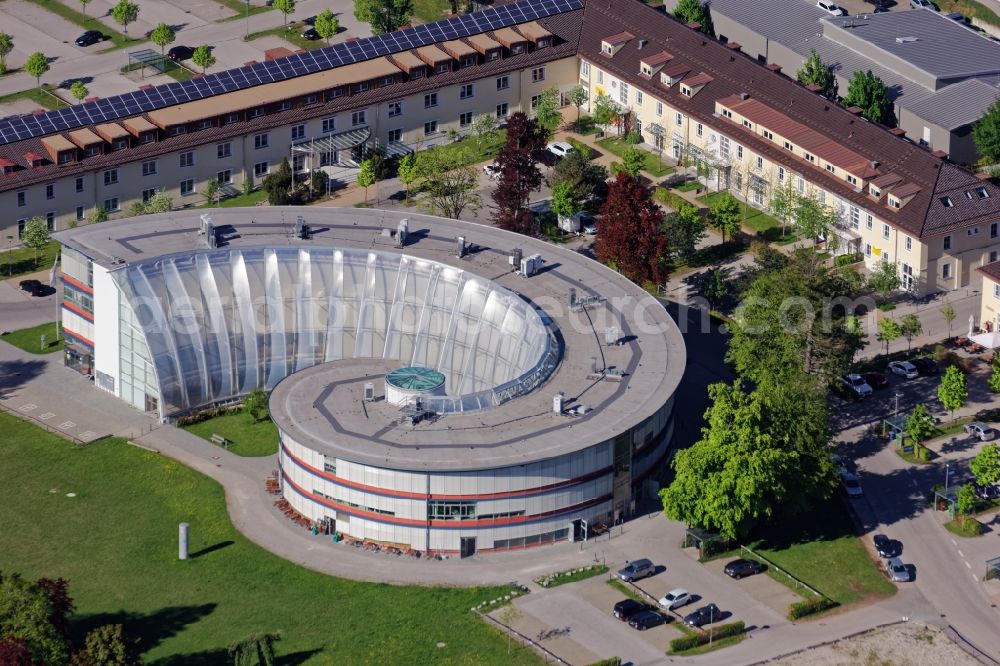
14,652
62,605
628,231
519,175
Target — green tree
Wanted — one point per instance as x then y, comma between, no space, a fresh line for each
564,203
715,288
725,215
366,175
36,65
408,173
162,35
98,215
910,327
83,6
884,279
577,97
211,191
606,110
448,183
587,179
79,91
125,12
994,381
816,72
953,392
255,650
632,164
277,184
948,312
6,46
160,202
108,645
26,613
683,230
255,404
919,424
383,15
693,11
326,25
35,235
812,218
868,92
888,330
547,110
986,465
965,499
783,203
484,128
286,7
986,134
202,57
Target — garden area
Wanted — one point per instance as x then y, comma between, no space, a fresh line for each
246,436
654,165
105,518
758,221
18,261
30,339
43,97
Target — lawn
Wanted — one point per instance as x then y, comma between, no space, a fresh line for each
21,260
291,33
572,576
429,11
240,200
654,165
87,23
43,97
30,339
820,549
116,543
758,221
239,8
247,437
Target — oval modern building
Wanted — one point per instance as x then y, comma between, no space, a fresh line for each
438,385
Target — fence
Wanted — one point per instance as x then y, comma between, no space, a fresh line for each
797,584
42,424
548,656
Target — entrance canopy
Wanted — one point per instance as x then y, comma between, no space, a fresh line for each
334,142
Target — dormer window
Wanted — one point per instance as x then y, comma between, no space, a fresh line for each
982,193
443,67
726,113
875,192
607,49
894,202
850,179
685,90
517,49
646,69
810,158
833,169
947,202
542,43
768,135
747,124
788,146
388,80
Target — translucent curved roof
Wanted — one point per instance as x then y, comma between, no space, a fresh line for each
413,378
221,322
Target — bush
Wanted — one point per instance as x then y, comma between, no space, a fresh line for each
923,453
582,148
610,661
946,357
632,138
684,643
810,607
847,259
669,199
966,526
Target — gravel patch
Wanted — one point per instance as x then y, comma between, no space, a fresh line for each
911,644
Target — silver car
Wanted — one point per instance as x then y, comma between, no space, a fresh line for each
637,569
851,485
897,571
903,369
675,599
980,430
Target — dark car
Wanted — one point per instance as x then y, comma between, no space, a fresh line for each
886,547
310,34
739,568
626,608
33,287
179,53
704,615
90,37
880,9
648,618
925,366
876,380
309,20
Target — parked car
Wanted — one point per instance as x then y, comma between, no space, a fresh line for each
309,20
310,34
980,430
590,228
626,608
675,599
896,570
903,369
179,53
492,170
851,485
856,386
704,615
739,568
886,547
637,570
925,366
33,287
559,148
830,8
648,618
988,492
879,8
91,37
876,380
923,4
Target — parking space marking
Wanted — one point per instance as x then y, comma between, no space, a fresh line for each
46,416
28,407
66,425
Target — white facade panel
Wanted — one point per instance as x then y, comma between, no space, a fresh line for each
106,356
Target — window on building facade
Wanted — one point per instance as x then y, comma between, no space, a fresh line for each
996,290
623,93
503,83
768,135
261,141
638,97
445,510
80,213
946,242
781,174
855,217
359,118
502,110
869,221
50,191
993,229
724,147
395,135
79,184
224,150
885,231
187,158
467,91
148,194
465,119
430,127
537,74
699,130
993,256
584,69
110,178
946,271
678,119
907,243
149,168
298,132
224,177
111,205
187,187
443,67
659,109
329,125
760,162
260,169
430,100
534,101
600,77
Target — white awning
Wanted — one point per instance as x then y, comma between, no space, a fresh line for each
988,340
327,144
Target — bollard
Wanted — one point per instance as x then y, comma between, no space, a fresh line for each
182,538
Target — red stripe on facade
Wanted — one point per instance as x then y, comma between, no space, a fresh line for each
79,337
440,524
507,494
77,310
78,285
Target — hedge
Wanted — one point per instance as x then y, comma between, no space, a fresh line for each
610,661
669,199
810,607
685,643
847,259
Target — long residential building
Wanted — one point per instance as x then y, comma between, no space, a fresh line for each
750,127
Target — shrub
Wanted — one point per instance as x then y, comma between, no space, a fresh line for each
923,453
966,526
684,643
582,148
633,138
847,259
810,607
669,199
610,661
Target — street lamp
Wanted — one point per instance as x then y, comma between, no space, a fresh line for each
248,18
10,254
947,469
711,627
897,396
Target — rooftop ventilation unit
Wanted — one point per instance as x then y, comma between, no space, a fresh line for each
210,238
460,247
906,40
402,232
643,42
369,392
301,228
572,297
744,95
557,402
206,219
611,337
531,265
515,259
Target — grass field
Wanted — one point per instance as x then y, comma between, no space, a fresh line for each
654,165
86,22
429,11
30,339
240,9
821,550
116,542
21,260
248,438
41,97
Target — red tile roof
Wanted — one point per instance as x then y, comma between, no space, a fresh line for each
699,79
658,59
619,38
